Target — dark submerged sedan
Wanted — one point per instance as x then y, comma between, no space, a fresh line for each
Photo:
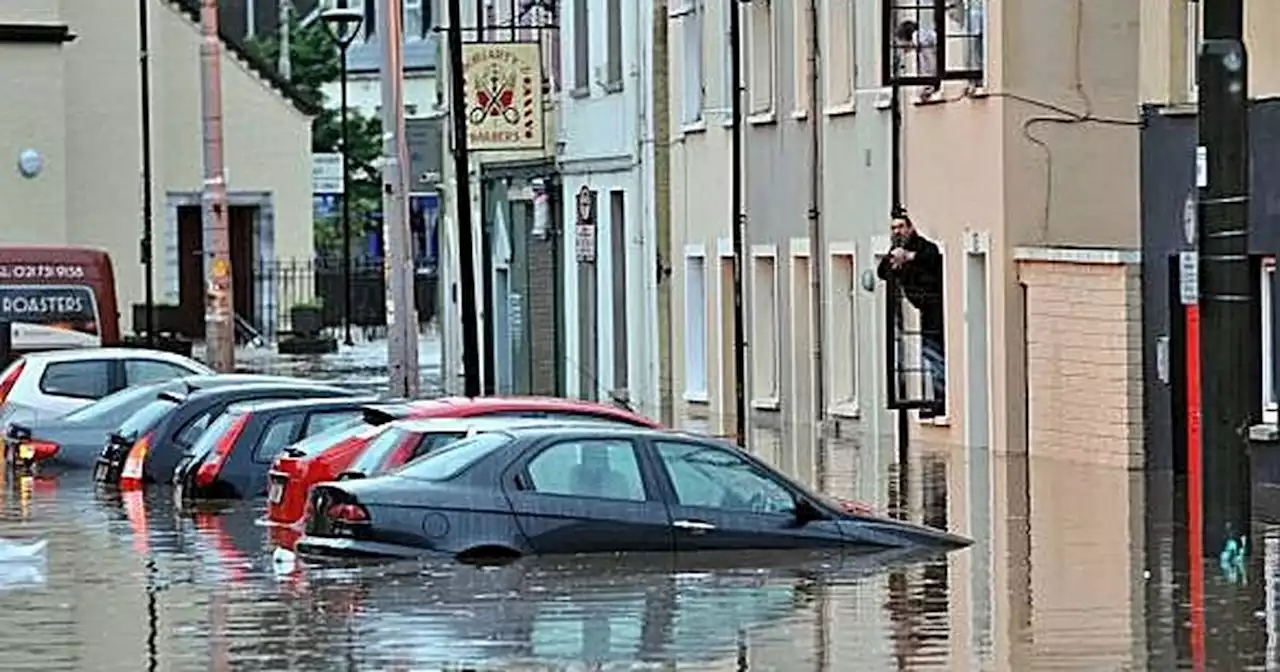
524,491
158,434
75,440
231,459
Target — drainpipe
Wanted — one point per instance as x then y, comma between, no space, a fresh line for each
739,220
817,254
662,210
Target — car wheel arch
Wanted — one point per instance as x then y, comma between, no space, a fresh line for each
489,553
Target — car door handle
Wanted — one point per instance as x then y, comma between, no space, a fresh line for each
695,526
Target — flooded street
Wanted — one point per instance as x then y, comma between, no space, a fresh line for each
1073,567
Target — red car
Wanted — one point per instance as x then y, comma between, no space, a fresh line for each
330,454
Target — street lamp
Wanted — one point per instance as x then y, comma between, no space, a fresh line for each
343,24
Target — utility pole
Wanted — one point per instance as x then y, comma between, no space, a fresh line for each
462,200
739,219
662,210
219,327
285,59
402,314
146,252
817,254
1230,345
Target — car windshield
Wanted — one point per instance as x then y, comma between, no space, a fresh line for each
146,418
113,404
453,460
220,426
314,445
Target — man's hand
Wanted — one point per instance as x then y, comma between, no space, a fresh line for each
898,257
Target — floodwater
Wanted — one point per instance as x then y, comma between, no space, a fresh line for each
1073,567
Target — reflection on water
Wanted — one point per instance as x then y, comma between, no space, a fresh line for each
1072,567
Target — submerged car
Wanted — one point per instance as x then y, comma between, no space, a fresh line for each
148,445
297,470
231,458
535,491
75,439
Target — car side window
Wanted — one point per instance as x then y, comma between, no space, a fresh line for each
141,371
323,421
432,442
82,379
715,478
599,468
276,437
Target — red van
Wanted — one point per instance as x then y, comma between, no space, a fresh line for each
58,297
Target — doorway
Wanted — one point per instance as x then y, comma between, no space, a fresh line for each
977,417
191,271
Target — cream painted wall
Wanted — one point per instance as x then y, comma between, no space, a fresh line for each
1168,62
267,140
35,208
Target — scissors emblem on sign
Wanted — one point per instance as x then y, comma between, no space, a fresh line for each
496,99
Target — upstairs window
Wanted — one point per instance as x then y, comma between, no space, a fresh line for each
688,14
761,56
934,40
581,48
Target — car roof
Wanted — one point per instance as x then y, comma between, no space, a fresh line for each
232,390
268,405
74,354
605,430
490,423
529,402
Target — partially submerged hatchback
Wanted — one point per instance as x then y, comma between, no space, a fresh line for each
147,446
535,491
230,460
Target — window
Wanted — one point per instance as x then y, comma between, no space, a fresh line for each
432,442
728,87
843,333
613,35
760,56
800,46
1193,37
319,423
715,478
114,404
602,469
764,328
376,453
581,47
277,436
695,328
966,23
142,371
688,14
192,431
415,15
370,19
454,459
146,418
1267,299
82,379
839,56
318,443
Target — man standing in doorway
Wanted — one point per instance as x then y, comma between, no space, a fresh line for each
914,263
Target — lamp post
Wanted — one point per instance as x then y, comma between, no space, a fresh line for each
343,24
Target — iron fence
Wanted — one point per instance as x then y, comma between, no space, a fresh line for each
321,282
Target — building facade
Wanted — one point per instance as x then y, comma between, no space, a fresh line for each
78,67
605,154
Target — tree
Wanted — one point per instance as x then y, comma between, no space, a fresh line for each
315,63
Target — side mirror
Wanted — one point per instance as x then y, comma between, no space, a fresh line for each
806,512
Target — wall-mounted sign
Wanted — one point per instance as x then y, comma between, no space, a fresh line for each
502,86
585,230
1189,278
42,272
326,173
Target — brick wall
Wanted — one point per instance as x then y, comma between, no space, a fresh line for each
1084,360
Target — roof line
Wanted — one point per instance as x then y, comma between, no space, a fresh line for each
303,102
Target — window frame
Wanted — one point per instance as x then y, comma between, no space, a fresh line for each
690,16
581,49
1193,38
761,399
848,405
108,374
837,102
649,489
615,46
695,255
764,109
423,10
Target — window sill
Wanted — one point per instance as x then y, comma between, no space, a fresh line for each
691,127
799,115
766,404
841,110
1270,416
940,421
696,397
613,87
845,409
762,118
580,92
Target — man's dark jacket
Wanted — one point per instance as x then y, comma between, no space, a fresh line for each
920,278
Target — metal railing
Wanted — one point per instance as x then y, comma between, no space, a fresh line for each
320,282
